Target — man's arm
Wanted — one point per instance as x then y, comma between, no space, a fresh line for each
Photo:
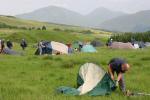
119,76
111,72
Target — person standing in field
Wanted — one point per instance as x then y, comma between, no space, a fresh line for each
69,48
2,45
23,44
9,44
118,66
40,47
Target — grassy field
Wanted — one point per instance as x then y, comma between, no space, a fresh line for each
32,77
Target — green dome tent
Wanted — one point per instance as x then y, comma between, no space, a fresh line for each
88,48
75,45
92,80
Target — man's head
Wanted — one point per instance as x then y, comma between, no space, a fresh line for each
125,67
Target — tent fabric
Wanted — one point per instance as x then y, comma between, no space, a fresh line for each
140,44
88,48
53,48
121,45
68,91
92,80
147,44
47,49
75,45
59,47
136,46
91,75
10,52
96,43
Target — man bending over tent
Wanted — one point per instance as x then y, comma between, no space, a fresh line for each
119,66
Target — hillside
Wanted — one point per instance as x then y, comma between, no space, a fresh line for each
10,20
138,22
56,32
100,15
14,21
55,15
99,18
64,16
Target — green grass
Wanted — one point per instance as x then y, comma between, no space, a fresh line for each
37,35
13,21
32,77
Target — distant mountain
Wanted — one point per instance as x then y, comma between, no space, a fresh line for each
100,18
54,14
138,22
100,15
61,15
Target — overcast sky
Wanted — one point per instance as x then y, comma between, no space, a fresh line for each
13,7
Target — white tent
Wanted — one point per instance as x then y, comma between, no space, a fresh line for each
59,48
92,80
91,75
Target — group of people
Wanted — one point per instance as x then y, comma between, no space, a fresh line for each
9,44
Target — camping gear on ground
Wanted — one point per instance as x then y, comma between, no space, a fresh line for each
92,80
10,52
121,45
136,46
47,49
139,44
59,48
88,48
96,43
53,48
147,44
75,46
129,93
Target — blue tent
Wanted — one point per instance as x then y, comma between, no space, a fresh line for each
88,48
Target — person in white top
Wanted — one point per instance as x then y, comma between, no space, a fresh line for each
40,46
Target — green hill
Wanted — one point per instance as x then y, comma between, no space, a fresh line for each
56,32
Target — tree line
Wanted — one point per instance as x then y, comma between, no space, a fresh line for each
128,37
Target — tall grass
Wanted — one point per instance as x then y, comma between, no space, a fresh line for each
32,77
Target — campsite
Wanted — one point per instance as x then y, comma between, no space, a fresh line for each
29,76
68,56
